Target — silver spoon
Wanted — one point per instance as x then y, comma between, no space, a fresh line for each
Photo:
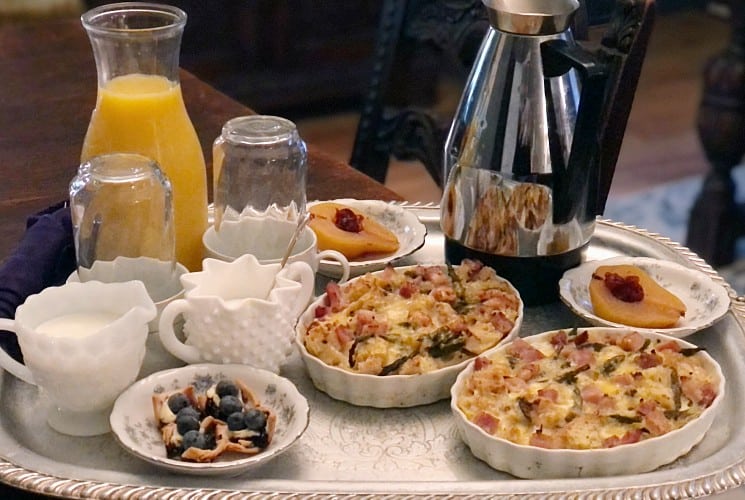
301,223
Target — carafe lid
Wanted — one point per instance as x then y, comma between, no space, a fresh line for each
531,17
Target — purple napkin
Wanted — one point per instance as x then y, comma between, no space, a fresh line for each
44,257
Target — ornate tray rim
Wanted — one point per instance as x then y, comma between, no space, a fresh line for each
712,483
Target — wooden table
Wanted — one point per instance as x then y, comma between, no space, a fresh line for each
47,92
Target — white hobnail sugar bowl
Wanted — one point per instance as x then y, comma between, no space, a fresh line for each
238,312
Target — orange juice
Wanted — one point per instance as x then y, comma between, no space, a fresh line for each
145,114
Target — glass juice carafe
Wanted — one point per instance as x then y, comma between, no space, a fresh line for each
140,108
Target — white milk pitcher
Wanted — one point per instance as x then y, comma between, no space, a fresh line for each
238,312
83,344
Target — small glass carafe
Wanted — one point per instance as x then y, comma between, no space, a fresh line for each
140,108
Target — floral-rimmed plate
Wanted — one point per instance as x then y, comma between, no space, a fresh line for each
134,426
401,222
706,301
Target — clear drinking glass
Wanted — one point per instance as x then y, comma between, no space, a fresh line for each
259,169
122,216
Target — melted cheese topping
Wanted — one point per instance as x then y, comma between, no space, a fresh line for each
413,321
587,390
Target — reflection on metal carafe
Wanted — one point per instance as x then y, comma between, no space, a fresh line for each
520,159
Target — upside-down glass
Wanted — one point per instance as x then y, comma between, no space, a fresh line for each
122,216
259,169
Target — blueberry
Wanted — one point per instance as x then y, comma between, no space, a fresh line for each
177,401
226,388
190,411
236,421
195,439
186,422
210,441
254,419
230,404
261,441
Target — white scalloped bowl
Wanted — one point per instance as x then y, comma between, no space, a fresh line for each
390,391
532,462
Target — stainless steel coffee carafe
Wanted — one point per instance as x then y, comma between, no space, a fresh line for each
521,155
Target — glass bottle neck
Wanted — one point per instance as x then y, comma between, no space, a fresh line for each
135,38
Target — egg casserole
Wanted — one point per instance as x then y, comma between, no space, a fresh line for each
412,320
587,389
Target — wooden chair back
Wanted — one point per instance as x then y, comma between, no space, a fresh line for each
414,38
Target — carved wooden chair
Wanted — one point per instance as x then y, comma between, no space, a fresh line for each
411,34
449,32
716,222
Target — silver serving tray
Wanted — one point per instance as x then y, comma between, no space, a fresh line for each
349,451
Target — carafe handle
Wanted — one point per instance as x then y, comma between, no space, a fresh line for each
582,166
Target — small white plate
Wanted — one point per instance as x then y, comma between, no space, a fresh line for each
706,301
401,222
134,427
